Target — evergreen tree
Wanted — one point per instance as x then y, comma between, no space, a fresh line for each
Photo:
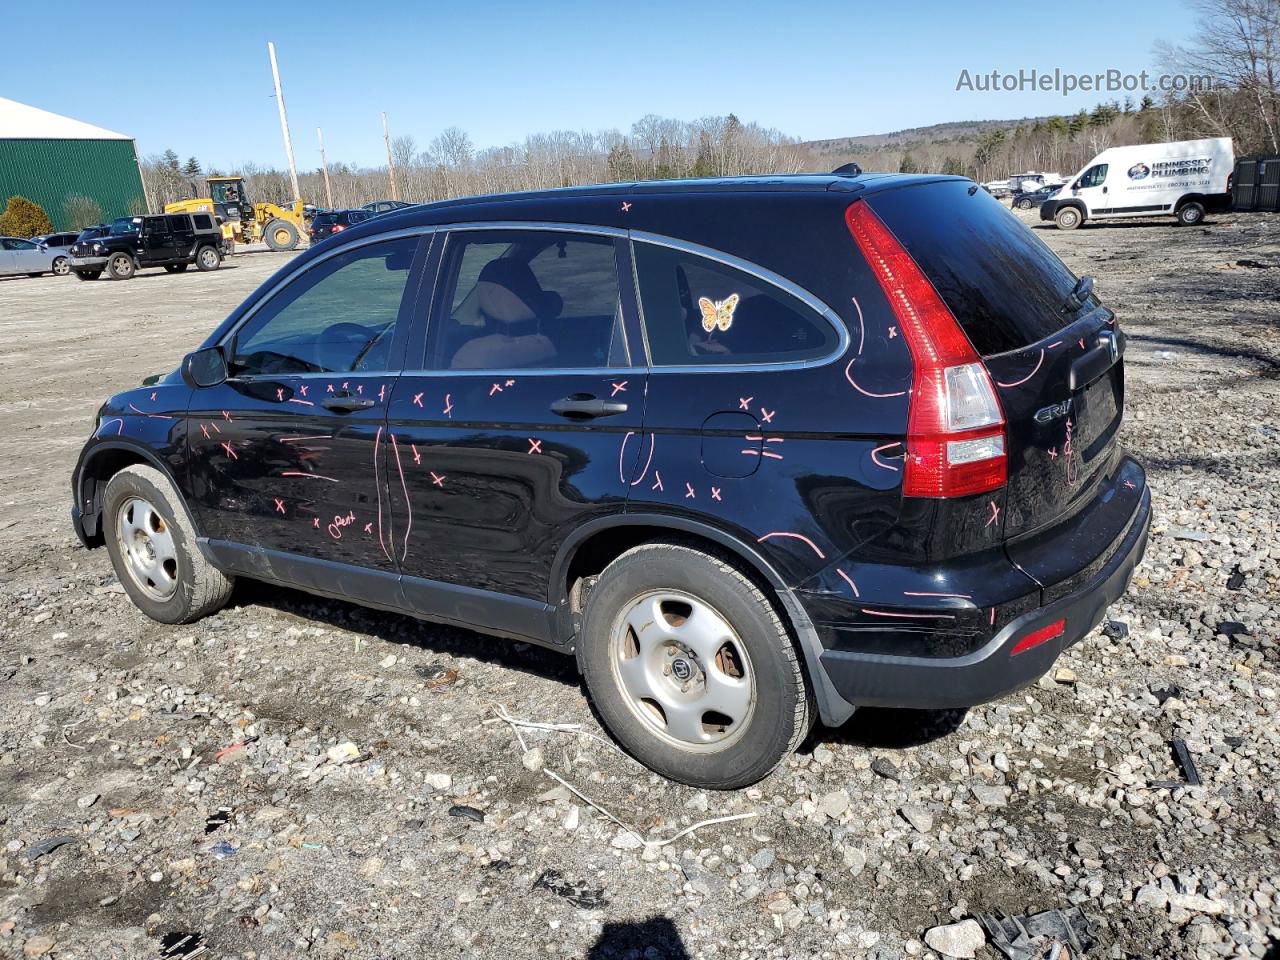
24,218
192,169
171,161
908,164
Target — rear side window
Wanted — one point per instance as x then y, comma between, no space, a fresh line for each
701,311
529,299
179,224
1005,287
202,221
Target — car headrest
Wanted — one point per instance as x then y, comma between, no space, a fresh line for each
508,292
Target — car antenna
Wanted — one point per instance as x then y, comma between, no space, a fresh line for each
847,170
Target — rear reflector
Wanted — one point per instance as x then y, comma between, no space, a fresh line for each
955,427
1037,637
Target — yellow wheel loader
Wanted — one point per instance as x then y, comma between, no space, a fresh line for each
244,221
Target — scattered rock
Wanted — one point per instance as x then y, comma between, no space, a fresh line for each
961,940
917,816
834,803
342,753
884,767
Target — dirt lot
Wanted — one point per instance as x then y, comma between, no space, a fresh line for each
437,840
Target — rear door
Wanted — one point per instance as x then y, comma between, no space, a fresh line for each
1055,360
289,453
521,422
182,234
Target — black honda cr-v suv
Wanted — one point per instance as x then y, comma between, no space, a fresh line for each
756,451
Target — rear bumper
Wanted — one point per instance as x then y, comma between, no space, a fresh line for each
869,679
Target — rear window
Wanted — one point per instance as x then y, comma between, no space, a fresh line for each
1005,287
324,219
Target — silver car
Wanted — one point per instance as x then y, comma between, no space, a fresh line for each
18,256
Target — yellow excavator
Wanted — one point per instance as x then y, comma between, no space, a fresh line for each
244,221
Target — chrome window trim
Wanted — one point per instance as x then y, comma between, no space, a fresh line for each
755,270
512,372
602,231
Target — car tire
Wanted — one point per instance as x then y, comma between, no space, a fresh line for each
1024,204
1190,214
121,266
87,274
280,235
722,650
61,266
207,258
1068,218
152,545
175,267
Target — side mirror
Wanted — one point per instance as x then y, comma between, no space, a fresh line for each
205,368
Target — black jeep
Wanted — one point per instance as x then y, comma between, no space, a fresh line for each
171,241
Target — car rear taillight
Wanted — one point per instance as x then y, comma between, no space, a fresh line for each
338,228
955,428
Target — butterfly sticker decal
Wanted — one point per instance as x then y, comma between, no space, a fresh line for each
718,313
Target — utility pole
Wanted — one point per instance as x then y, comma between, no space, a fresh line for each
324,165
284,122
391,170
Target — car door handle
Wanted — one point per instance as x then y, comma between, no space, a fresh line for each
581,406
346,403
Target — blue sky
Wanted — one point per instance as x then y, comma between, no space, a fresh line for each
502,70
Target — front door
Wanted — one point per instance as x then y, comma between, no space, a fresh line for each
157,240
524,419
1091,187
290,453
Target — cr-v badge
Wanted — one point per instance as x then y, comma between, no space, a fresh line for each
1053,412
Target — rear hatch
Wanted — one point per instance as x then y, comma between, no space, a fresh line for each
1053,351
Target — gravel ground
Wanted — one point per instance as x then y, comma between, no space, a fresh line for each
379,808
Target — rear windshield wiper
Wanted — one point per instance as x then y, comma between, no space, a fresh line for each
1078,295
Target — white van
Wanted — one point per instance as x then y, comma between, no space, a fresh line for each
1181,179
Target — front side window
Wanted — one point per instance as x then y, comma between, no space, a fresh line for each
339,316
154,225
1093,177
528,299
701,311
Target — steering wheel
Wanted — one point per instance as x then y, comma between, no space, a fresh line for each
349,331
